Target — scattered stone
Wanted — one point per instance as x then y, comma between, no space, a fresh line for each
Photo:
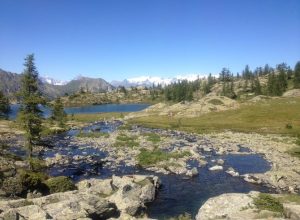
192,172
232,172
220,161
215,168
251,179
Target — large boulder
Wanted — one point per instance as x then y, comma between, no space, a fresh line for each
133,192
94,199
226,206
31,212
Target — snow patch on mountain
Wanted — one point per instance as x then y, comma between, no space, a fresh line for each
154,80
49,80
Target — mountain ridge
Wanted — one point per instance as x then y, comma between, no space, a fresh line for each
10,84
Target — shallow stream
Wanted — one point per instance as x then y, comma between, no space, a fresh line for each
178,194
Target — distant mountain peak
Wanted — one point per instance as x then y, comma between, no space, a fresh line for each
153,80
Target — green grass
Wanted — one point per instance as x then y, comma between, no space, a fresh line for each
123,140
96,117
149,158
152,137
270,116
92,135
268,202
290,198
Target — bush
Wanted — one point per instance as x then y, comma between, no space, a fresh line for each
37,164
268,202
32,180
60,184
12,186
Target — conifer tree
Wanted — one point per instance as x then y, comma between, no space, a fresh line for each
297,76
30,114
58,113
4,106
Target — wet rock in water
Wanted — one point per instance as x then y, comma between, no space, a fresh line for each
232,172
94,199
251,179
192,172
215,168
220,161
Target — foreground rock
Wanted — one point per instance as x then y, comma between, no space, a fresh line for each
94,199
234,206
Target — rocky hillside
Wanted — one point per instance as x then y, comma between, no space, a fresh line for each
10,84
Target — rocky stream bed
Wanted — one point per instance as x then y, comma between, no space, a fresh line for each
202,167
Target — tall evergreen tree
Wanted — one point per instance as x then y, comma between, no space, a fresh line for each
58,113
257,86
30,113
282,77
4,106
297,76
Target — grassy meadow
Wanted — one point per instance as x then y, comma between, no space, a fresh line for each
278,116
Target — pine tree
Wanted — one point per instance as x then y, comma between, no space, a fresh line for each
30,114
282,78
297,76
58,113
4,106
257,86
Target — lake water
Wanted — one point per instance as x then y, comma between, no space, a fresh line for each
86,109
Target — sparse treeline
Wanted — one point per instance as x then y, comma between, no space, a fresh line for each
262,81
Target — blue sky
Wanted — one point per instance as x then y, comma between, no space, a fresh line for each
117,39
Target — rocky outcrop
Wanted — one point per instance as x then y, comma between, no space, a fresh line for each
235,206
226,206
94,199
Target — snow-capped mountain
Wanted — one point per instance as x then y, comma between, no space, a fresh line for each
49,80
150,80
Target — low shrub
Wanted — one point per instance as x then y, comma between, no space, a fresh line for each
12,186
37,164
123,140
32,180
152,137
148,158
60,184
268,202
